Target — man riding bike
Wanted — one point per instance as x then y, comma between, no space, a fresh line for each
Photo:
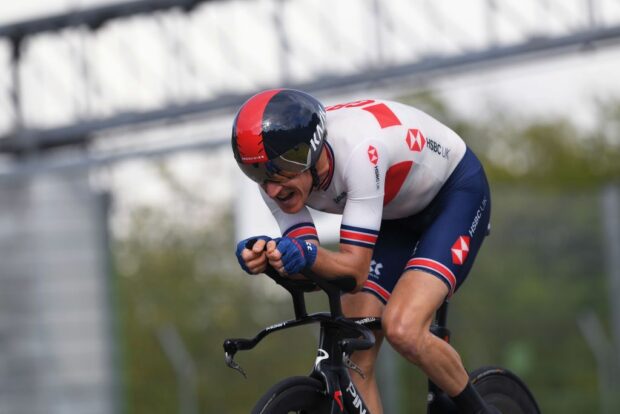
415,206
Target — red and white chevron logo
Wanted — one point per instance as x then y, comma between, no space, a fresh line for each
373,155
460,249
415,140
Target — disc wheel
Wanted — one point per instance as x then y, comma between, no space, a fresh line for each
298,395
504,390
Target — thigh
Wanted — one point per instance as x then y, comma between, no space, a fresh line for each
361,304
393,248
415,299
448,246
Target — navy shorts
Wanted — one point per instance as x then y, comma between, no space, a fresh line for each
442,240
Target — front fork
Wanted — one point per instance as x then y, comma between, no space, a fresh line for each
330,368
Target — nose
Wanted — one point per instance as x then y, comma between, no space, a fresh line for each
272,189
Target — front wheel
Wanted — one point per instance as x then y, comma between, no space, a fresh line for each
504,390
301,395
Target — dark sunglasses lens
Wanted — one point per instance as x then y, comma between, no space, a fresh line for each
289,164
295,160
256,172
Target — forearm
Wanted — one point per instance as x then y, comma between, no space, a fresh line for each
354,262
290,256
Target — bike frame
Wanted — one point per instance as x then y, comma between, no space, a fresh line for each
331,369
339,338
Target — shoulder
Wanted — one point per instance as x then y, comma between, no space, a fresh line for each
374,115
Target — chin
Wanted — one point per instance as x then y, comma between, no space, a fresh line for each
291,209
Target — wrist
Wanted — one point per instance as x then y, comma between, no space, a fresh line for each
296,254
312,252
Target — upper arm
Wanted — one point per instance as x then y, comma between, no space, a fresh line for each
363,212
362,257
361,220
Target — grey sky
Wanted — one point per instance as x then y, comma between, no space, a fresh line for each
234,56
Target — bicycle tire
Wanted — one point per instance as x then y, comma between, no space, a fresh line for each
504,390
299,395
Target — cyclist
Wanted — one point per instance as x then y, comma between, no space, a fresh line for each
415,206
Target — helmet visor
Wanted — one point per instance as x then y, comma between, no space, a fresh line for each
293,162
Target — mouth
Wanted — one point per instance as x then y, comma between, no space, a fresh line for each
285,196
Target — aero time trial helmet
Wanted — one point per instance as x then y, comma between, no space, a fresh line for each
278,131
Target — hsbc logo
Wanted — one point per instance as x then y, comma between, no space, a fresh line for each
460,250
477,217
415,140
438,149
373,155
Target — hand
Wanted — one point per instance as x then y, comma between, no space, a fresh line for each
253,261
289,255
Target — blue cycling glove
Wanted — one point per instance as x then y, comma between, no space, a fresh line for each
242,245
297,254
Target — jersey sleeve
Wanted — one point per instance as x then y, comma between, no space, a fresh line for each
300,224
364,175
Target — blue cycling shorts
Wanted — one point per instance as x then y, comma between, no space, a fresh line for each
442,240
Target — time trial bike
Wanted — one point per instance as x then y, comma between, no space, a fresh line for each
329,388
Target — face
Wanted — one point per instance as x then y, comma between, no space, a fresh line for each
289,192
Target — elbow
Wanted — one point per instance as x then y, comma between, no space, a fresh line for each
361,272
360,278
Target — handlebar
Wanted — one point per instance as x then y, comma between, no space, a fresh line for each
355,335
333,287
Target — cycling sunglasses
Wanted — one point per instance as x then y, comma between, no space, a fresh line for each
284,167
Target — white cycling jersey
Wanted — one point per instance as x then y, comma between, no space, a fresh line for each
387,160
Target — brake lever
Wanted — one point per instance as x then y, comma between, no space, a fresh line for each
230,349
230,361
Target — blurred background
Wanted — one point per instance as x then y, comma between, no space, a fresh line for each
120,202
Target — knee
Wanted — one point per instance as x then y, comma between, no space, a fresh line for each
408,337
